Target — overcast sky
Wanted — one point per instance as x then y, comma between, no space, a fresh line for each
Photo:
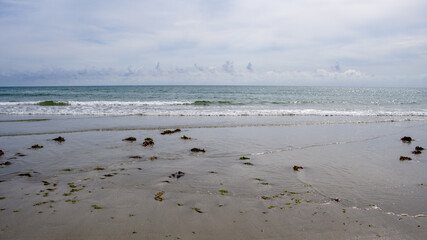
269,42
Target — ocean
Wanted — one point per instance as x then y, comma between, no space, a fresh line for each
213,101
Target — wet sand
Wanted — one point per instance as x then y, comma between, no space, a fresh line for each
96,186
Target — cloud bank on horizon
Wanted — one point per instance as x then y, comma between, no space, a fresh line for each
325,42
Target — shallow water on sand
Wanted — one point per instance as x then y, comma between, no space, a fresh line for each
352,165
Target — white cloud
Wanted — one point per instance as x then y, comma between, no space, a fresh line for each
380,37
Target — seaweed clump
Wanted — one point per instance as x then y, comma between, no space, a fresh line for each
24,175
36,146
158,196
297,168
170,131
198,150
59,139
403,158
406,139
96,207
130,139
148,142
1,153
185,138
418,150
177,175
197,210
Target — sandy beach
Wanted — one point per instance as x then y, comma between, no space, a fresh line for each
94,185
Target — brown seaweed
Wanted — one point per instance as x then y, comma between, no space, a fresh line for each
197,210
198,150
36,146
148,142
24,175
158,196
297,168
177,175
59,139
170,131
403,158
185,138
416,152
129,139
406,139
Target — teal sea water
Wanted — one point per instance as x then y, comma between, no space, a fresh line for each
213,101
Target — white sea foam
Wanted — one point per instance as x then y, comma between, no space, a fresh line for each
181,108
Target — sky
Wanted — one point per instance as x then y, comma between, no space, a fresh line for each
379,43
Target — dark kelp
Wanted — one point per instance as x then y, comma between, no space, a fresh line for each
177,175
197,210
185,138
406,139
148,142
24,175
297,168
59,139
403,158
129,139
170,131
198,150
36,146
417,152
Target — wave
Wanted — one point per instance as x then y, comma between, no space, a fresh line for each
208,103
202,103
191,108
118,111
52,103
95,103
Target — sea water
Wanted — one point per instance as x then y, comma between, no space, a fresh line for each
213,101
